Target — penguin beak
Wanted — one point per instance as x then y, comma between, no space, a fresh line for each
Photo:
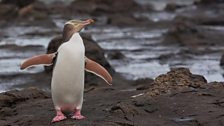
88,22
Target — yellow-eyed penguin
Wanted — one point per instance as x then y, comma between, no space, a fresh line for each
67,85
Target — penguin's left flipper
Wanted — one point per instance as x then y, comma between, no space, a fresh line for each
97,69
45,59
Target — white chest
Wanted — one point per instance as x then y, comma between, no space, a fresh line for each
68,74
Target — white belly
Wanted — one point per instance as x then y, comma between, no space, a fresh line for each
68,76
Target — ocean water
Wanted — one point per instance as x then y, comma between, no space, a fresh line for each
142,49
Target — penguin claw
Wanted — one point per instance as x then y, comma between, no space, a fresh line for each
58,118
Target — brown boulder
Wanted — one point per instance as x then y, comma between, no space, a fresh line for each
176,79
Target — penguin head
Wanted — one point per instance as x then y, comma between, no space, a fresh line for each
78,25
74,26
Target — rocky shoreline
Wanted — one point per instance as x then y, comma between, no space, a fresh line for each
175,98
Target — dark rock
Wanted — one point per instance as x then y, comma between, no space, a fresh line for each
104,6
147,105
118,13
208,2
207,14
187,33
125,109
216,84
116,55
143,84
37,10
222,61
6,111
143,81
142,87
93,51
172,7
10,98
200,16
8,11
127,20
164,57
34,13
19,3
182,33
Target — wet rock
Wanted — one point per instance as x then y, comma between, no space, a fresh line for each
200,16
8,11
33,13
116,55
36,14
208,2
116,12
222,61
183,33
127,20
172,7
187,33
35,10
93,51
204,15
176,79
97,7
19,3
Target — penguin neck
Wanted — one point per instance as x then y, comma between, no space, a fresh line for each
76,34
75,38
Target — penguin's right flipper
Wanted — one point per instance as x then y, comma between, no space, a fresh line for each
45,59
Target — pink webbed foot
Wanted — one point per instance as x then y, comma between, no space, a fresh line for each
59,117
77,115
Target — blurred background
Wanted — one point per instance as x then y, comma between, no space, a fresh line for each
140,38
